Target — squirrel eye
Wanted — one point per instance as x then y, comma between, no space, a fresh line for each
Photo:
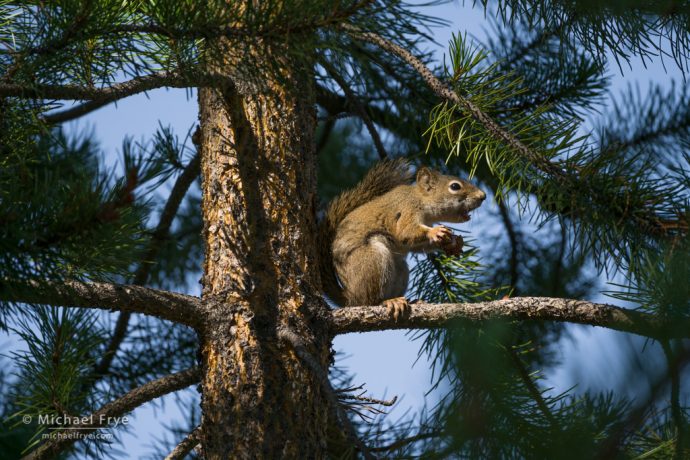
455,186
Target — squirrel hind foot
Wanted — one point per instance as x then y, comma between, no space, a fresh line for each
398,307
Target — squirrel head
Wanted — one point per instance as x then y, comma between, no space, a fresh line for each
447,198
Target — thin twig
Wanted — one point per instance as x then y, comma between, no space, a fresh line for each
532,387
186,445
405,441
368,399
357,105
676,410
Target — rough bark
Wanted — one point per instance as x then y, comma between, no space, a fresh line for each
179,308
259,187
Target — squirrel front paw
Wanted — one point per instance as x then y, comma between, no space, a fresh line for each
439,235
398,307
453,247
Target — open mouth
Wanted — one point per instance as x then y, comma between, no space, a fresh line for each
464,216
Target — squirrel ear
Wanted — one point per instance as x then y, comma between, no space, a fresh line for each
426,178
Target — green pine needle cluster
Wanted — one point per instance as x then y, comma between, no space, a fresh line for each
55,369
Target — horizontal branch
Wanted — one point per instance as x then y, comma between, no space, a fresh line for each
121,406
423,315
104,95
179,308
76,33
77,92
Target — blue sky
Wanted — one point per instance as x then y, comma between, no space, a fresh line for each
383,361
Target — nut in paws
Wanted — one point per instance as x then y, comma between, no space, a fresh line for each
453,247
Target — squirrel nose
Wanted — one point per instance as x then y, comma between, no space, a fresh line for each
481,195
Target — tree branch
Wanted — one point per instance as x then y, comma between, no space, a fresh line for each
423,315
76,92
185,446
532,387
179,308
75,32
74,112
123,405
405,441
110,93
445,92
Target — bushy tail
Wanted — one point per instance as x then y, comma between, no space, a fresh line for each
382,178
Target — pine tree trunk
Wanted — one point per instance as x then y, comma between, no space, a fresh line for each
259,195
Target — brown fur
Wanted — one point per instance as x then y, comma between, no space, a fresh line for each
370,229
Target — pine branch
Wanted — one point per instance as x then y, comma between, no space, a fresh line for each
178,192
117,408
423,315
337,16
185,446
445,92
611,446
76,32
111,93
74,112
653,224
534,391
179,308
